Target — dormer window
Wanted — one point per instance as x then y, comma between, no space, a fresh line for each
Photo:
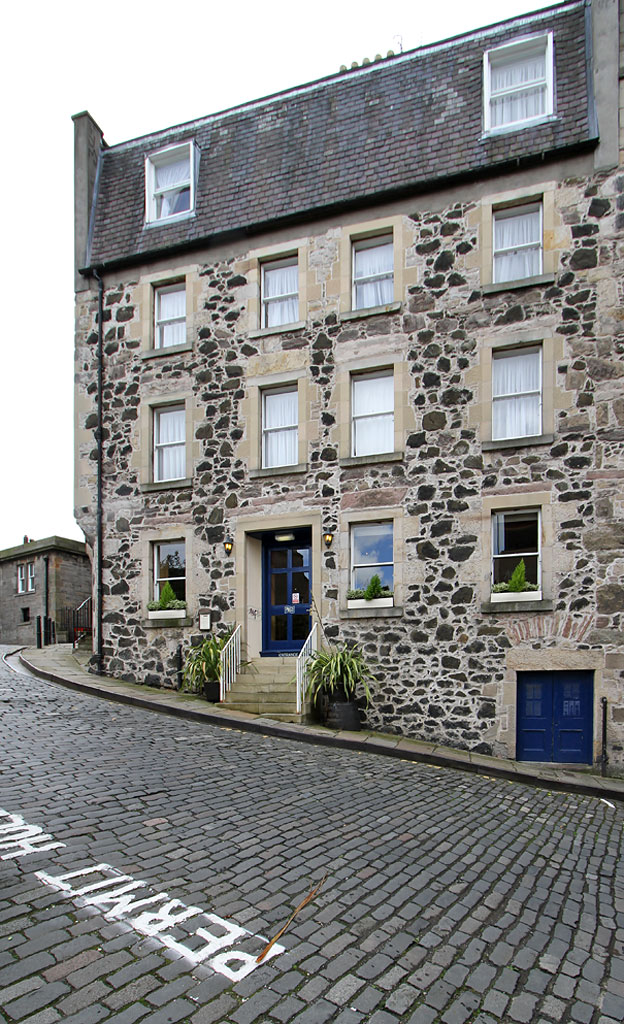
169,183
518,84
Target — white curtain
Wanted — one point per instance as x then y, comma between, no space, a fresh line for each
281,281
171,307
517,246
373,415
369,263
170,449
280,428
524,103
167,177
516,394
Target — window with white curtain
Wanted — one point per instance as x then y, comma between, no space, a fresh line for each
280,292
21,579
31,576
372,554
517,242
169,182
518,83
372,412
517,393
373,272
280,426
169,443
170,567
516,538
170,316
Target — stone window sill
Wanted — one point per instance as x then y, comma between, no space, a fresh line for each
358,314
166,485
172,623
518,442
176,218
170,350
524,282
518,126
365,460
395,612
504,607
265,332
299,467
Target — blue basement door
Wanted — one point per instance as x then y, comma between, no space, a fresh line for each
287,595
555,717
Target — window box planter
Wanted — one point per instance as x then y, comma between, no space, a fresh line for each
168,613
376,602
522,595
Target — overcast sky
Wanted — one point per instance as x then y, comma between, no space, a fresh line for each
137,66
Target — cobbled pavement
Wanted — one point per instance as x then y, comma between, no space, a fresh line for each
450,898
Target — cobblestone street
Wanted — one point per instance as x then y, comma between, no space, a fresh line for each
145,862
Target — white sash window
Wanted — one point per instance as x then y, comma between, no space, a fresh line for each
280,292
517,393
373,272
280,426
170,567
518,84
372,405
169,443
170,316
516,538
372,555
169,182
518,242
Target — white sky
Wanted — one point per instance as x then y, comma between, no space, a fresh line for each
137,66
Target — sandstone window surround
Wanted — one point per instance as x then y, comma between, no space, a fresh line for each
520,233
170,315
166,555
371,541
518,84
277,281
170,176
500,356
166,426
372,406
372,263
372,271
170,567
280,292
278,423
514,526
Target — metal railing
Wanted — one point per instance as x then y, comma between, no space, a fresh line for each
303,659
230,662
76,621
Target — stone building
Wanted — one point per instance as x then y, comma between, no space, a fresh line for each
40,578
373,326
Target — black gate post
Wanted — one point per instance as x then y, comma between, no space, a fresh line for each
39,631
604,757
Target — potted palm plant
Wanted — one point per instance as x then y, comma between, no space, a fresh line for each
334,677
202,667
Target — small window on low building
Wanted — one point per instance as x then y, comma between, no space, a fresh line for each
518,84
373,272
169,443
517,242
372,412
170,567
31,576
516,393
25,614
169,182
515,539
170,316
280,426
21,579
372,555
280,292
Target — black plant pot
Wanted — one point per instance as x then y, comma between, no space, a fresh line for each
339,713
212,690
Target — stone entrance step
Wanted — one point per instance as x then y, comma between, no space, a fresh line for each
266,686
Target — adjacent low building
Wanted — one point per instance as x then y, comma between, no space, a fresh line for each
372,326
41,579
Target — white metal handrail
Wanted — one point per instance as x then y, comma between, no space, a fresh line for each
230,662
303,659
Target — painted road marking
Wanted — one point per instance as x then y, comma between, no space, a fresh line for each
20,839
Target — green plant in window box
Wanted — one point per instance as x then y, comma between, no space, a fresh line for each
202,667
168,601
517,584
373,591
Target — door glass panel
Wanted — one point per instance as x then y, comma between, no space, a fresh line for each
279,627
300,626
301,586
571,700
299,557
533,700
279,588
279,558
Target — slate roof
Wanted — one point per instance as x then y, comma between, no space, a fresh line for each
400,126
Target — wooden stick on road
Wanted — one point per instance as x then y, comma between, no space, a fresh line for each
292,917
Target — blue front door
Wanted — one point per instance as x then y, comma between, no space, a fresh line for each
287,595
555,717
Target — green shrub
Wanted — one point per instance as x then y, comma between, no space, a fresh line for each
341,669
203,663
